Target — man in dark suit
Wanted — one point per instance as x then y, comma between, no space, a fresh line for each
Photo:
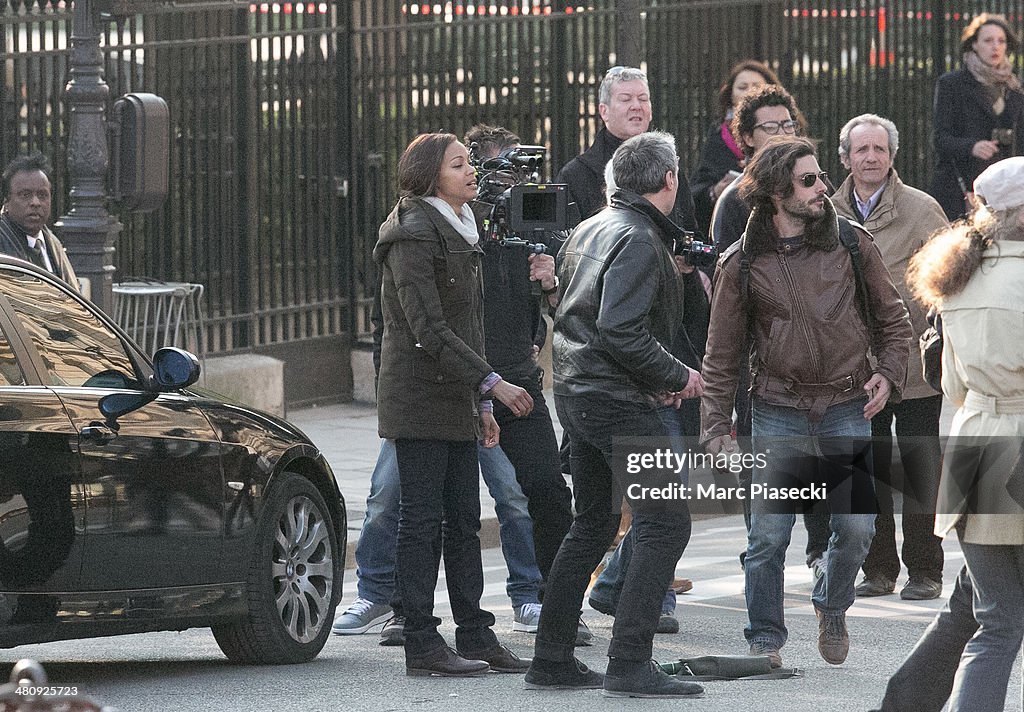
26,210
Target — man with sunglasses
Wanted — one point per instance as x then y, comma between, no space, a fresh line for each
901,219
789,288
763,114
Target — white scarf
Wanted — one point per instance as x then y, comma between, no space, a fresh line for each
464,223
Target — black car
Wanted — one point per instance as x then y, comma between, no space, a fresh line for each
131,503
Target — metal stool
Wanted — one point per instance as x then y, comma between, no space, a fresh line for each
157,314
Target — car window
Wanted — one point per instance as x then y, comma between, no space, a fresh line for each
77,348
10,371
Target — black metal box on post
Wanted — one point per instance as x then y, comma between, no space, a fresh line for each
141,151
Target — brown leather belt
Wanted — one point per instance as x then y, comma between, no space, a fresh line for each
821,394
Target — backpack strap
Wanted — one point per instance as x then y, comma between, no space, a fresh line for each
851,241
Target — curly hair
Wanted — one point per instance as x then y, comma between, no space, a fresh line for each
745,118
944,264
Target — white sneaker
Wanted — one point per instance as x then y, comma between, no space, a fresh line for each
527,618
360,617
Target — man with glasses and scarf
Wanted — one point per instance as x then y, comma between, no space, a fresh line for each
26,210
789,288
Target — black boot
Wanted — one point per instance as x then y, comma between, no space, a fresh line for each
567,675
630,678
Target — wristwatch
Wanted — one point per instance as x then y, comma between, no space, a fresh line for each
552,290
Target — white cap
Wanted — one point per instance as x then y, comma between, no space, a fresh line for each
1001,185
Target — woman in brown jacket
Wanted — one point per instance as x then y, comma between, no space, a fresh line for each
434,401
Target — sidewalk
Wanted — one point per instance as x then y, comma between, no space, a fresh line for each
347,435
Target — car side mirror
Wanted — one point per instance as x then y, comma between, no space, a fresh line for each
174,368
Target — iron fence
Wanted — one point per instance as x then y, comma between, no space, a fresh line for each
288,118
255,211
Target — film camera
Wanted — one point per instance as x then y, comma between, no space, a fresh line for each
519,205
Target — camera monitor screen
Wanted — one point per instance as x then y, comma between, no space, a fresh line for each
539,207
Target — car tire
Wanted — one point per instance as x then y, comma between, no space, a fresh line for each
290,590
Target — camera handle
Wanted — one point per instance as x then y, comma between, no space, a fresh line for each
534,248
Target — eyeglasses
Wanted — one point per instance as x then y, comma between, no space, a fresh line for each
774,127
807,180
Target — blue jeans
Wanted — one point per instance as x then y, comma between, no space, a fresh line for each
845,456
515,527
609,583
997,573
375,552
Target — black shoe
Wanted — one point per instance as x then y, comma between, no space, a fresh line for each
393,632
921,589
879,585
570,675
444,662
501,659
601,606
645,680
667,623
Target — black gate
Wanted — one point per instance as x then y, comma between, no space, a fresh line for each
288,118
258,107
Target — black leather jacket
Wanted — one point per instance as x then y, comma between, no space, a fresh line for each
620,305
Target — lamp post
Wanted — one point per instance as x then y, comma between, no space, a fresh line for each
87,229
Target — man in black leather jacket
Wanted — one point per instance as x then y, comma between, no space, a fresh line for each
619,307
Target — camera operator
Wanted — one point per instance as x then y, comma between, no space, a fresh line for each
514,331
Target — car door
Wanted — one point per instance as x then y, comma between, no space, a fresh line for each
152,478
42,504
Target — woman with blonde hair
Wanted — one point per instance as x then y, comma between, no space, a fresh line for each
974,275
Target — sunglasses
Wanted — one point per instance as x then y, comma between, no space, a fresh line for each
774,127
807,180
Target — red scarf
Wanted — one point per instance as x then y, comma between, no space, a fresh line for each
730,141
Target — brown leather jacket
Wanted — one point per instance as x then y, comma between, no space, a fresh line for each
810,344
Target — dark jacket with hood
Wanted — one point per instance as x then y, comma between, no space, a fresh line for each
809,340
432,302
620,301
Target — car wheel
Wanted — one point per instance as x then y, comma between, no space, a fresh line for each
290,591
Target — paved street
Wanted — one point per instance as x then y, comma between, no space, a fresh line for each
186,671
160,671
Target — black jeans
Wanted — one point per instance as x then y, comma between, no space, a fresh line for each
530,445
917,435
659,538
440,481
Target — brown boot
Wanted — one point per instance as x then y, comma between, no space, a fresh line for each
833,638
